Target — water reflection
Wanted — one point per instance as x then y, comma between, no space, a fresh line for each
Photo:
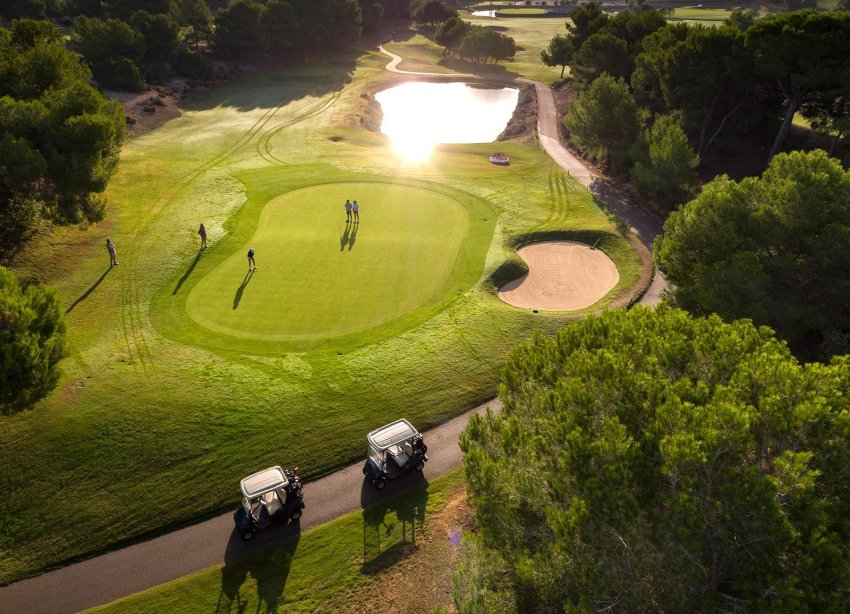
418,116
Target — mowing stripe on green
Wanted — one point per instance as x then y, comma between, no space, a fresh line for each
322,276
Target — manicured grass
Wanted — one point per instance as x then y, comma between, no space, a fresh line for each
155,410
697,15
315,571
523,11
320,276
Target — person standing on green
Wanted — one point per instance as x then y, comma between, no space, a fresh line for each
355,208
347,210
202,231
251,261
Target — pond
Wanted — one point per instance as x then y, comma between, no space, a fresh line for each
419,115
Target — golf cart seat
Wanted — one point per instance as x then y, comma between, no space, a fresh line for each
399,454
272,503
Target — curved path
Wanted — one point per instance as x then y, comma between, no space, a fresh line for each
643,226
141,566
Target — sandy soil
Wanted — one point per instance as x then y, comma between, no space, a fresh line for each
562,276
421,581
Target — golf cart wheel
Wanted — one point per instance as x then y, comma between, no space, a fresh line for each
295,515
380,483
247,536
424,449
420,465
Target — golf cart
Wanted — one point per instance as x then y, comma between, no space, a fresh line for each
394,450
269,496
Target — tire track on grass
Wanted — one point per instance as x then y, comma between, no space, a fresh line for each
264,146
132,319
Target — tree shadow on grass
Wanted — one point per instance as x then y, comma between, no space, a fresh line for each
188,272
477,68
88,292
267,558
391,521
241,289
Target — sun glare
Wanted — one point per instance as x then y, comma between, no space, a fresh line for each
418,116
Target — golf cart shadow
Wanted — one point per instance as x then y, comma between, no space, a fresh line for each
267,559
392,520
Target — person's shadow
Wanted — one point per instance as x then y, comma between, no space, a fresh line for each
343,240
188,272
268,562
88,292
354,228
241,289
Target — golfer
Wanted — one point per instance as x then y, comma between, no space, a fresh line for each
252,265
110,247
348,210
356,209
203,234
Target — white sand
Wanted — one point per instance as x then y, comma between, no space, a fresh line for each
562,276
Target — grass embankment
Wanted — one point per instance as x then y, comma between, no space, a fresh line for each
339,566
148,417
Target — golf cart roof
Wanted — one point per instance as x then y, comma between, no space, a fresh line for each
263,481
391,434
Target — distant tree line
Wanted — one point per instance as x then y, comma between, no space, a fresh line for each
477,43
702,84
129,43
280,27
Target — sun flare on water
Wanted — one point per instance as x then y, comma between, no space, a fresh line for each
418,116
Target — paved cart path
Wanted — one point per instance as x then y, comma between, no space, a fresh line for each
141,566
173,555
644,226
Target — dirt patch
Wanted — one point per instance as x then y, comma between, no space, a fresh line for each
369,114
421,580
562,276
523,122
151,109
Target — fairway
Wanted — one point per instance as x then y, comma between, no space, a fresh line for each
185,375
320,276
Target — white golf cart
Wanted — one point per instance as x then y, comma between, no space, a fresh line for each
269,496
394,450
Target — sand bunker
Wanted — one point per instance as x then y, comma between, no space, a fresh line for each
562,276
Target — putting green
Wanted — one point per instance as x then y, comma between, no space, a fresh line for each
321,277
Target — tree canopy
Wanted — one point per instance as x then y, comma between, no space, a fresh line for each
653,461
32,342
59,136
804,54
775,249
605,121
664,163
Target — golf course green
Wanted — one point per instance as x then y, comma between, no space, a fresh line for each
320,275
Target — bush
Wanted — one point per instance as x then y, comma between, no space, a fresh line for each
32,342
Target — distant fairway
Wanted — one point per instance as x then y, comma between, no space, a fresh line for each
319,277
